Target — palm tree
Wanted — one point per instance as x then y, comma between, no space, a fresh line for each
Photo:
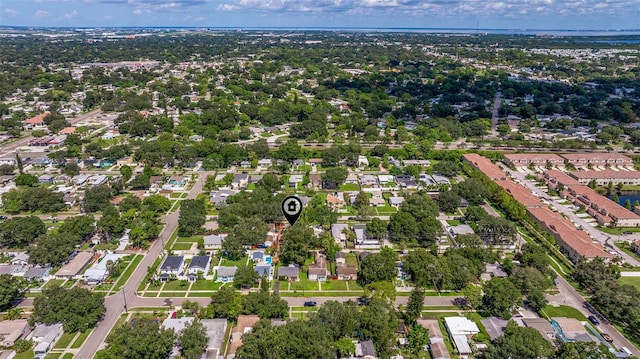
14,313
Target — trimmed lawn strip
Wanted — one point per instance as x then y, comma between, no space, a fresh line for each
334,285
64,341
562,311
81,339
176,285
181,246
127,273
173,294
633,281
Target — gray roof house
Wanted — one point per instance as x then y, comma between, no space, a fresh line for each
341,258
37,273
199,264
226,274
240,180
172,265
365,350
336,232
214,241
220,197
396,201
264,270
289,273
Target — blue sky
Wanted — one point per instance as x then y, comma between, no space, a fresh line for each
508,14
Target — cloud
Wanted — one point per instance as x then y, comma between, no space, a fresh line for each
445,8
39,14
70,15
11,12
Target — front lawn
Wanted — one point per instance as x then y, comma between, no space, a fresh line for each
334,285
181,246
65,340
351,259
229,263
633,281
304,284
206,285
562,311
350,187
176,285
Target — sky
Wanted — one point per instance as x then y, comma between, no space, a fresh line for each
484,14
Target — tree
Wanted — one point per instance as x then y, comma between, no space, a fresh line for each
81,227
501,297
378,267
413,310
583,350
7,170
97,198
265,305
12,289
377,228
378,322
245,277
26,179
233,249
157,203
333,177
295,244
126,172
418,265
270,182
52,249
362,201
338,319
18,232
193,339
418,340
22,345
110,223
448,201
473,191
520,342
225,303
192,217
141,338
345,347
71,169
78,309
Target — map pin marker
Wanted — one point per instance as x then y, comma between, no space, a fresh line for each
292,208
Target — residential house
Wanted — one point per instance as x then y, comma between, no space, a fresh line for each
352,178
10,269
341,258
43,337
318,270
265,163
255,179
214,241
396,202
244,325
542,326
294,180
177,182
369,181
257,257
386,180
345,272
226,274
290,273
219,198
436,340
100,270
362,239
363,161
265,270
338,232
46,179
37,274
422,163
36,122
172,266
406,181
216,330
245,164
315,181
20,259
336,200
12,330
440,179
365,350
571,329
240,181
199,264
461,330
75,266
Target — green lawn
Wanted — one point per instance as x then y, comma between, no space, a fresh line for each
350,187
68,356
29,354
634,281
192,239
65,340
78,342
197,295
304,284
351,259
173,294
125,276
562,311
454,222
53,283
353,285
334,285
229,263
386,209
176,285
52,356
181,246
206,285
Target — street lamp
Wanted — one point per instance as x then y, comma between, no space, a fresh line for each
125,301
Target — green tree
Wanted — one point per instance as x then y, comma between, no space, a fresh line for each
582,350
501,297
81,227
448,201
11,290
7,170
126,172
377,228
265,305
362,201
26,179
225,303
379,267
142,338
71,169
193,339
295,244
270,182
378,322
157,203
520,342
345,347
333,177
78,309
245,277
233,249
192,217
18,232
413,311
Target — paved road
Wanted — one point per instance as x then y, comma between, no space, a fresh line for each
604,238
494,112
569,296
115,303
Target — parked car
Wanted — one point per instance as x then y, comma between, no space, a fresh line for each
310,304
594,320
607,337
4,217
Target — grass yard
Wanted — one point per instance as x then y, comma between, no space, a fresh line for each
81,339
351,259
562,311
68,356
239,263
334,285
198,295
386,209
29,354
54,283
206,285
176,285
350,187
181,246
51,356
304,285
173,294
353,285
192,239
125,276
65,340
634,281
454,222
